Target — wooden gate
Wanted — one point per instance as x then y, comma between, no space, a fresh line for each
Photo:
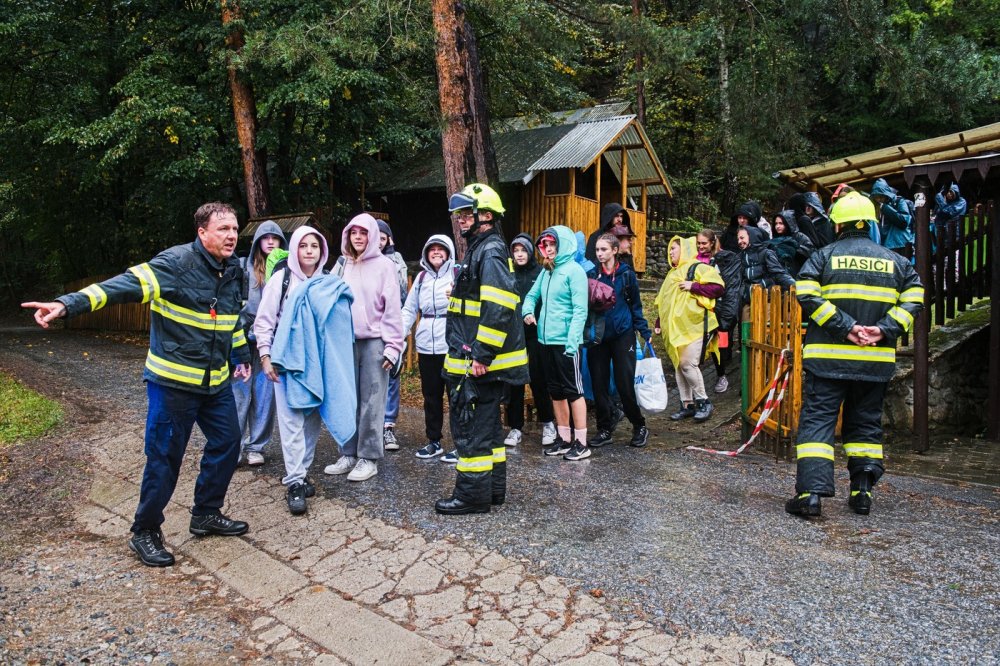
774,329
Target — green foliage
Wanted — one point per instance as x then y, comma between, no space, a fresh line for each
24,414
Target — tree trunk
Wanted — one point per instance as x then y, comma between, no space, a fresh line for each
258,191
730,185
640,82
465,138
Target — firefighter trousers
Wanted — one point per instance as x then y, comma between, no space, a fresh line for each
861,433
482,457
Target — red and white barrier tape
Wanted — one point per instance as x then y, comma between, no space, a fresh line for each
769,406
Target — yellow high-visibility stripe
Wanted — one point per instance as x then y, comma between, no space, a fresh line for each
850,352
98,297
491,336
184,373
459,366
147,280
904,318
806,288
458,306
861,292
823,313
189,317
477,464
912,295
510,264
500,455
239,338
863,450
507,299
814,450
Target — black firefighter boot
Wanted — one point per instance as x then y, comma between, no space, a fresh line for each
860,500
467,485
806,505
499,475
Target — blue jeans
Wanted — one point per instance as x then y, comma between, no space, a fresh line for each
392,401
172,414
255,406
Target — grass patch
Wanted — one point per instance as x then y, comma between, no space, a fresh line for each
24,414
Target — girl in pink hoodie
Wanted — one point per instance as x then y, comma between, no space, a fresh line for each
378,341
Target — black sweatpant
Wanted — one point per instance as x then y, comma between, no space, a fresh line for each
539,391
620,352
432,387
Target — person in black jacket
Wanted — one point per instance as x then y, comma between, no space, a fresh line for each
612,214
859,297
811,218
195,291
759,265
791,245
485,351
747,215
526,271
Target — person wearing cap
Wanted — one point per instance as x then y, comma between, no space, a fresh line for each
388,247
485,351
624,236
858,298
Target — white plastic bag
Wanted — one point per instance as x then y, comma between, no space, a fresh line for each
650,382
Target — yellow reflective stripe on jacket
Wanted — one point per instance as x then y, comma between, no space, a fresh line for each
904,318
823,313
458,306
459,366
850,352
500,455
490,336
814,450
189,317
98,297
147,280
239,337
863,450
507,299
912,295
861,292
806,288
185,374
477,464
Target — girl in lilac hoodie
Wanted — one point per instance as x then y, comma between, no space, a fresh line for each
378,341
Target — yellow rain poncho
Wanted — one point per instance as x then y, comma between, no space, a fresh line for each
682,313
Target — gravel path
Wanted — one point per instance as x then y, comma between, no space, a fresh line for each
685,541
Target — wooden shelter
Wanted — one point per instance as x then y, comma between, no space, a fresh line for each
558,170
288,224
890,162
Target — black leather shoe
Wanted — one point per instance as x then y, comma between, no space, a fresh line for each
452,506
686,412
640,436
602,438
296,499
497,500
860,502
805,505
217,524
148,545
310,488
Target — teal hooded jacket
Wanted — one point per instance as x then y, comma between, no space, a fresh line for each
563,294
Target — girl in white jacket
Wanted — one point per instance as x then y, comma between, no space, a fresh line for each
429,298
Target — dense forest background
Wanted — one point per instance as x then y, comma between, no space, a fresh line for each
117,121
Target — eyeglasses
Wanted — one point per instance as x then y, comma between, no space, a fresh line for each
459,216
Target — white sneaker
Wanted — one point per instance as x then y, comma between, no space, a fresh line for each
548,433
721,386
254,458
342,466
513,437
364,470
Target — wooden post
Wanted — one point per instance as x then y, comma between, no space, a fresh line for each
921,333
993,417
597,186
624,200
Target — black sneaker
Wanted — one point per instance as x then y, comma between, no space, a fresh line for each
602,438
296,498
685,412
557,449
703,411
310,488
217,524
616,417
430,450
577,452
148,545
640,436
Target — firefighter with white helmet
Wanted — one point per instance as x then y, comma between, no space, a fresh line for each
859,297
485,351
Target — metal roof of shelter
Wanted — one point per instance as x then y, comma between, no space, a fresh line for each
526,147
288,223
952,169
893,160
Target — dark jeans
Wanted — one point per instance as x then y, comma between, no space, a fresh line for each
172,414
618,353
432,387
539,391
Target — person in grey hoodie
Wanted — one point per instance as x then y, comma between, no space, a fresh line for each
388,247
255,399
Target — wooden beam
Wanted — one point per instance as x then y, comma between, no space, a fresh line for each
624,200
597,178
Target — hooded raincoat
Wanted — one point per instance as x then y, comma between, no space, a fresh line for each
563,294
429,298
607,223
682,313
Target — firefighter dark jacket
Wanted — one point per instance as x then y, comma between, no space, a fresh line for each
195,306
854,281
483,323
